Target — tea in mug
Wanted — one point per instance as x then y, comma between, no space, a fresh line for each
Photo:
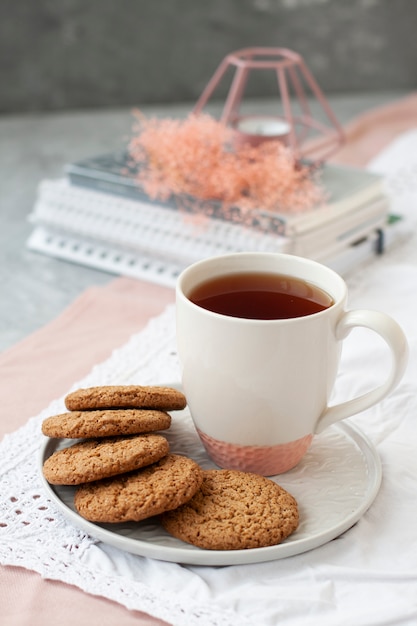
260,295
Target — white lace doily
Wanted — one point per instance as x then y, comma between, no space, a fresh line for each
378,570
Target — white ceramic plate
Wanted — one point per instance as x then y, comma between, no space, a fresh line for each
334,485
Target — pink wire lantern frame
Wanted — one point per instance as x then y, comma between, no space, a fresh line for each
296,87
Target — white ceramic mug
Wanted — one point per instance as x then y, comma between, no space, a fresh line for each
258,390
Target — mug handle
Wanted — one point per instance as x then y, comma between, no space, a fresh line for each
391,332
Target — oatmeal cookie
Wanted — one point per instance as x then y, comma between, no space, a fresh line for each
160,487
94,459
234,510
105,423
125,396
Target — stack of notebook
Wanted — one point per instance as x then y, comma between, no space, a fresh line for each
97,215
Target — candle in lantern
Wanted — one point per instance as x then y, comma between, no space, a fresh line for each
257,128
265,126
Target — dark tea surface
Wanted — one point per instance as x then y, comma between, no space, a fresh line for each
264,296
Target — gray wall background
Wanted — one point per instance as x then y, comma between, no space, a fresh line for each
66,54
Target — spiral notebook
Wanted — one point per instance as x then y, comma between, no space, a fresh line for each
133,236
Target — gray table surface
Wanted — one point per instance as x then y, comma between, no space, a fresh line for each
36,288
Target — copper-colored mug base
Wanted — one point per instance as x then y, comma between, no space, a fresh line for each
264,460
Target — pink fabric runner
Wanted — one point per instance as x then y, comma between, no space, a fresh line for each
372,131
46,364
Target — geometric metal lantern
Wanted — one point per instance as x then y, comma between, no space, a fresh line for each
303,119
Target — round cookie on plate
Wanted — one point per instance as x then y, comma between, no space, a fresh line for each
105,423
126,396
95,459
234,510
160,487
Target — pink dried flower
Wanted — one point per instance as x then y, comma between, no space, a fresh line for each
198,158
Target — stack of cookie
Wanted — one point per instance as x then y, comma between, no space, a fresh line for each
124,471
122,467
